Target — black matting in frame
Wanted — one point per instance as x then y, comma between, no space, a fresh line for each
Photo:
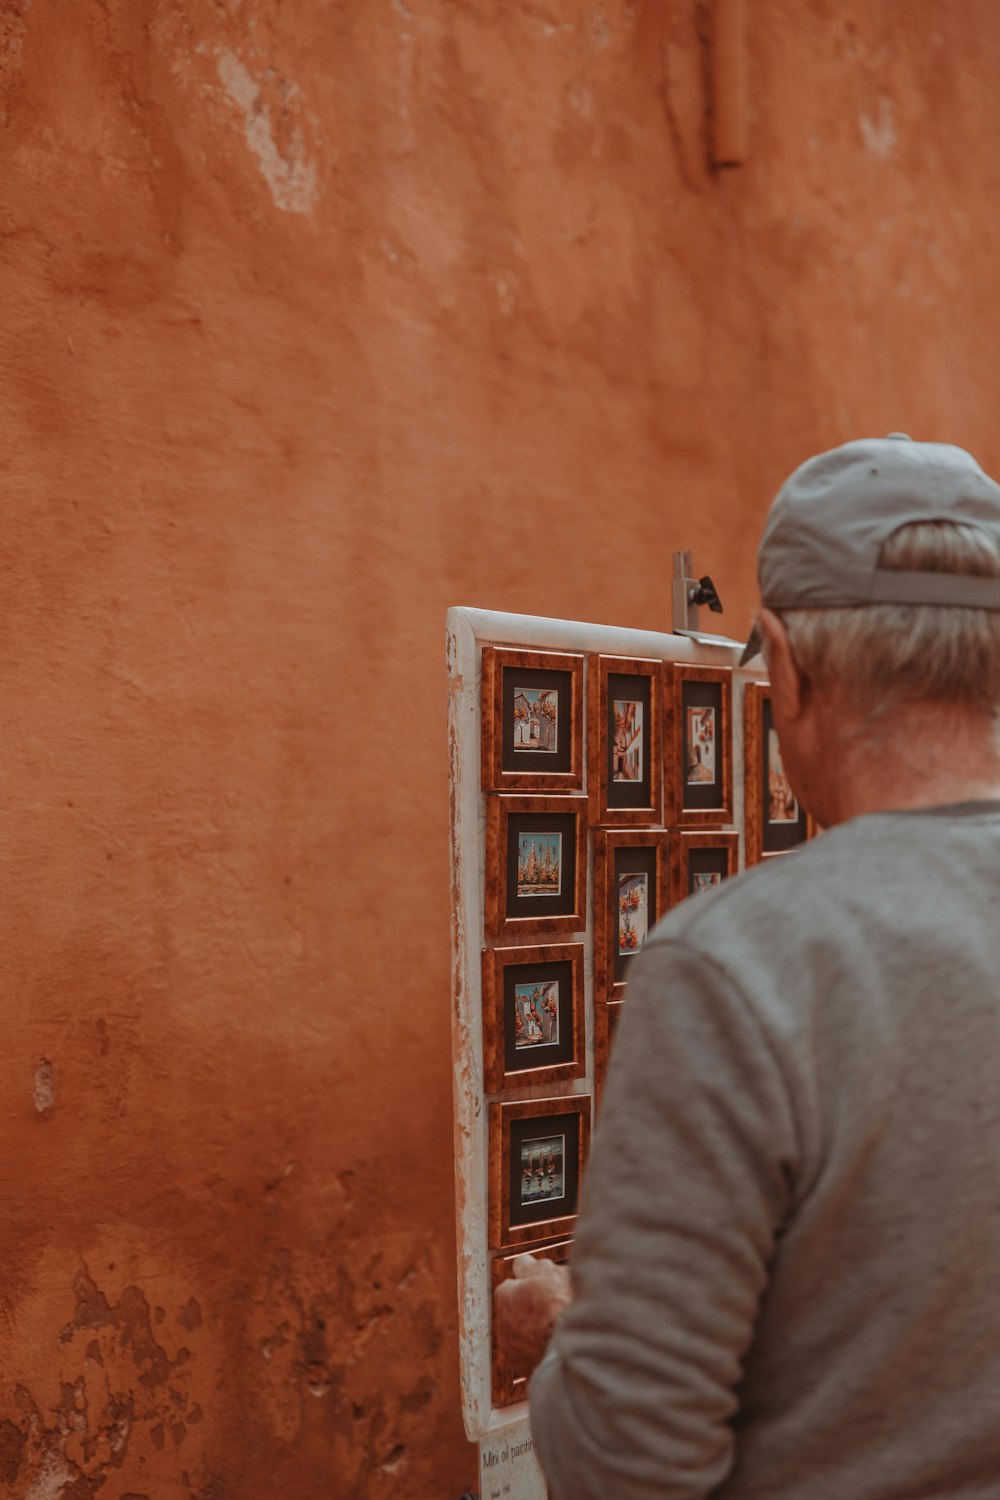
538,704
706,870
543,993
701,714
544,1168
788,829
628,688
538,831
635,901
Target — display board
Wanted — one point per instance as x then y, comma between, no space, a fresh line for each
597,778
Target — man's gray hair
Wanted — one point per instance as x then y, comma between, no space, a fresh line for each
878,657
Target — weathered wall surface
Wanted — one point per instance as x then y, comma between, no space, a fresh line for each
318,317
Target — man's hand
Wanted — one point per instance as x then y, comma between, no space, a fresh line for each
525,1310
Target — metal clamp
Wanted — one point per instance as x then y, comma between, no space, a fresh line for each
689,593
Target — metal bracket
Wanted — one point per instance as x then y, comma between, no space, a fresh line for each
688,594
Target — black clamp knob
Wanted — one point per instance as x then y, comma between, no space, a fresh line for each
705,592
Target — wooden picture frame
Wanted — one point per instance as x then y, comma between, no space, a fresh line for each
698,738
773,822
624,732
532,845
533,1016
631,894
607,1014
542,1142
508,1386
701,860
532,721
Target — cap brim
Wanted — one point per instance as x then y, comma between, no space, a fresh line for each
753,646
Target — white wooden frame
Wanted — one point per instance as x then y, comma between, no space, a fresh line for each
468,631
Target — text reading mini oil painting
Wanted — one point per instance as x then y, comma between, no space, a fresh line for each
543,1169
539,864
633,910
536,1015
700,745
536,719
628,740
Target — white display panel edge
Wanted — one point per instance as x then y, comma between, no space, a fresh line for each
468,631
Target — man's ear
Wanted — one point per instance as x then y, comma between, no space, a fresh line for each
787,684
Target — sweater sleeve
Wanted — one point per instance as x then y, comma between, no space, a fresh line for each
690,1180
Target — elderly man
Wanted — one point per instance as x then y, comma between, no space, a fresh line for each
786,1281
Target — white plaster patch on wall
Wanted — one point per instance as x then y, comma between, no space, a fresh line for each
52,1479
879,135
600,35
44,1092
407,59
581,99
291,177
507,294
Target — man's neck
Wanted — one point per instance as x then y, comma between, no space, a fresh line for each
925,756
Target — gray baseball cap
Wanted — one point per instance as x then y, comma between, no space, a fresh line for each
825,530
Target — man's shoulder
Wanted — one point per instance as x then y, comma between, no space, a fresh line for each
788,883
823,919
875,861
779,917
765,937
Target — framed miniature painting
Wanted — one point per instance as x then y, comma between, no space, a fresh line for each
624,717
536,866
508,1383
701,861
775,823
699,749
533,1029
532,732
607,1014
631,894
538,1148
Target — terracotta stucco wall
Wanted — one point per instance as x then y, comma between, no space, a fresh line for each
318,317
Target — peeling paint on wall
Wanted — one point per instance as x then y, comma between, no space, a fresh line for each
879,134
290,175
128,1381
43,1092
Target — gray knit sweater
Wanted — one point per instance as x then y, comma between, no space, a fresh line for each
787,1269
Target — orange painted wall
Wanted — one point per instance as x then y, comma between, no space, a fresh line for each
317,318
